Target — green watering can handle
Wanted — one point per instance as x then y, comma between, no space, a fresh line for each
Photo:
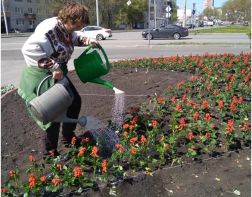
103,52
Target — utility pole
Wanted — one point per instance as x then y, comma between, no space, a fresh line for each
97,13
193,14
155,15
5,20
184,21
149,24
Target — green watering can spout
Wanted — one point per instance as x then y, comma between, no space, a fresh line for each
103,82
89,66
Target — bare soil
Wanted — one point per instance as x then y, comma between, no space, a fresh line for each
20,137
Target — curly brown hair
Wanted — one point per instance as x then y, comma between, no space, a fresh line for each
74,12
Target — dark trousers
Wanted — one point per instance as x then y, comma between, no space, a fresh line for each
51,135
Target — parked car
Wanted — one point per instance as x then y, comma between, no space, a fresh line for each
96,32
190,26
245,23
208,23
169,31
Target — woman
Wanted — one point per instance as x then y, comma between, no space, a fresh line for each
47,52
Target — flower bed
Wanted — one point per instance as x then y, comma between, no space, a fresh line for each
209,113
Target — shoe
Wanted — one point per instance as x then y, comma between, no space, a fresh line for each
52,153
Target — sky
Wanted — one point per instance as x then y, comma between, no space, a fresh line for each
199,4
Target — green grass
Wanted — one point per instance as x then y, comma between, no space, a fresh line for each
226,29
204,43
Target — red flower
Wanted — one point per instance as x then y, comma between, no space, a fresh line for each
133,150
182,123
52,153
43,179
196,116
77,172
232,106
216,91
208,87
161,100
56,181
154,123
166,146
59,167
134,120
4,190
195,104
94,151
235,99
230,126
31,158
12,173
193,78
120,147
208,135
133,140
125,134
246,126
205,104
82,151
73,141
85,140
125,126
104,165
179,84
131,127
32,181
143,140
184,98
178,107
240,100
207,117
220,104
190,135
173,99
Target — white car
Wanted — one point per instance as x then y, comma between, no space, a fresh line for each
208,23
98,33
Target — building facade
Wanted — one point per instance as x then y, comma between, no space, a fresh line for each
24,15
208,4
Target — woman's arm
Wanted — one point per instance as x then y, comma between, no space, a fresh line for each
79,39
37,51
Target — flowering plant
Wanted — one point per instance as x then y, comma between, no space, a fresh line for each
209,112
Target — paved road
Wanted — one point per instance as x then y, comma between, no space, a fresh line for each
129,45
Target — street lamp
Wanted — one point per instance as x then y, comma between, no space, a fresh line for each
5,20
97,13
149,24
184,21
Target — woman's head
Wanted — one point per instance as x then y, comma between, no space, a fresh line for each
74,16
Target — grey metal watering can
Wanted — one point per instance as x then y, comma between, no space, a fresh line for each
52,105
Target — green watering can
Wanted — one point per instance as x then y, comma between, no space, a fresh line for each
89,66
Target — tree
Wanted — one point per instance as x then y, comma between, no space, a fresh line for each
237,10
208,12
132,14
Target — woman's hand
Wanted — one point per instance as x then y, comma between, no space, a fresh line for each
94,43
57,74
89,41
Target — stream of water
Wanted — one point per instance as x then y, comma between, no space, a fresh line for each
106,136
